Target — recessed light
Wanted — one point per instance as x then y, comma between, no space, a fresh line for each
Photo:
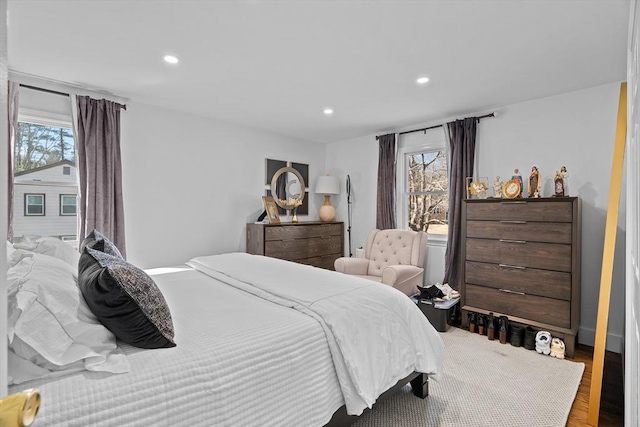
171,59
422,80
328,111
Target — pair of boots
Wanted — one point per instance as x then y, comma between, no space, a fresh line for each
488,325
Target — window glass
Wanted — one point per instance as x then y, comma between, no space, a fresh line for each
427,191
34,204
44,174
68,204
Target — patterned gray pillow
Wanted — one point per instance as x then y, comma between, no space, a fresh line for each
98,241
125,299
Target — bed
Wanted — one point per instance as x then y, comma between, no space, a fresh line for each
258,341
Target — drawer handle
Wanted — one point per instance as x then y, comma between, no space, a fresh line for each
523,202
512,266
508,291
513,241
505,221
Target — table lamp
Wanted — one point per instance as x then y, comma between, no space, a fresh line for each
327,185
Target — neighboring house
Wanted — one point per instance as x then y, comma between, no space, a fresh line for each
45,201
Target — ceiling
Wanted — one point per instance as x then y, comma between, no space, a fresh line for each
275,65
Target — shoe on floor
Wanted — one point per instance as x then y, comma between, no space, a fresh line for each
557,348
530,338
543,342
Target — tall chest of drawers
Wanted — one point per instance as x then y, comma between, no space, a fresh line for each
314,243
522,260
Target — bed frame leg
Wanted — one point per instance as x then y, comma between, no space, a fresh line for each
420,386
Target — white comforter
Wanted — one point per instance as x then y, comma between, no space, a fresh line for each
376,335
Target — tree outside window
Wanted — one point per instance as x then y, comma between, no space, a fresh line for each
40,145
427,192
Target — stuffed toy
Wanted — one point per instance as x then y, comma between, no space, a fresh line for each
557,348
543,342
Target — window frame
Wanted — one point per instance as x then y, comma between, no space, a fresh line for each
26,204
402,177
62,196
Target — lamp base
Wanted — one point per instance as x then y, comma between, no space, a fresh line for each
327,212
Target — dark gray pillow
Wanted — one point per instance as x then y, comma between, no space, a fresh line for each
98,241
125,299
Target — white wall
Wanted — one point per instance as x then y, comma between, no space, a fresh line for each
574,129
359,159
191,183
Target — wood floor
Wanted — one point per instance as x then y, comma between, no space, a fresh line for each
612,400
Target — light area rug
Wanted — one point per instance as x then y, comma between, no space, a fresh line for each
486,383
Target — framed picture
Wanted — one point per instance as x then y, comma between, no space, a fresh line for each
272,209
271,167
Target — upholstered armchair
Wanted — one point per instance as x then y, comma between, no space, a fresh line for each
393,257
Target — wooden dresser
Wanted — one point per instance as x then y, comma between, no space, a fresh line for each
522,260
314,243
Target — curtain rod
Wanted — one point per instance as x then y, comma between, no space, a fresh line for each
55,92
437,126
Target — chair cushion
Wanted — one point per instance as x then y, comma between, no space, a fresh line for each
390,247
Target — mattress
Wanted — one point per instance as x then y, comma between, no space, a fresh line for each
260,342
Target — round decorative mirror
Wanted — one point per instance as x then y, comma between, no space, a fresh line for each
287,184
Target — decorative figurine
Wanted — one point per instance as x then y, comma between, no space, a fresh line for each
497,188
535,182
478,189
564,175
518,179
558,185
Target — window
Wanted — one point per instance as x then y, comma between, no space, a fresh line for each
427,191
68,204
45,171
34,204
423,178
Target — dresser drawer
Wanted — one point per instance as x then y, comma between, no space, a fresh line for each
521,210
297,249
552,284
284,232
540,309
545,256
551,232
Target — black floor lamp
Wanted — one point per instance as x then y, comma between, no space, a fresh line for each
349,212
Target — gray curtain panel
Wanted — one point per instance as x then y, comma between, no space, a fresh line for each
14,103
462,147
385,207
99,169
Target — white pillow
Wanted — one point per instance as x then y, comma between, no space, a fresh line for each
50,246
50,324
10,250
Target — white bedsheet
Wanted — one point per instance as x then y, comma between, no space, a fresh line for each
239,361
377,336
242,360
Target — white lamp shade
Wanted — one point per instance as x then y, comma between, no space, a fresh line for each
327,184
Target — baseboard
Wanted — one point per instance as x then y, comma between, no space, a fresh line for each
587,336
